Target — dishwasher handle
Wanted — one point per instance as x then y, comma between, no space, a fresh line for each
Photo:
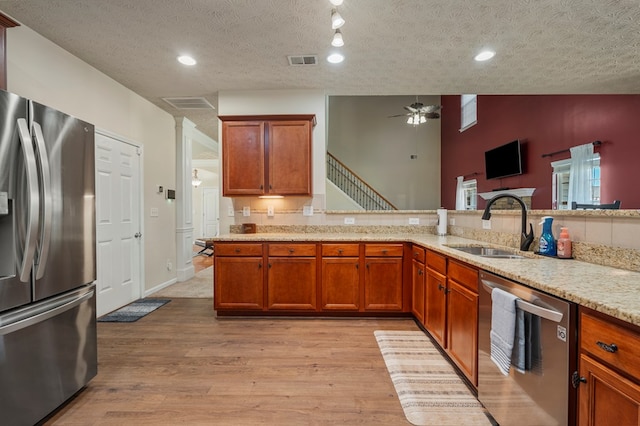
546,313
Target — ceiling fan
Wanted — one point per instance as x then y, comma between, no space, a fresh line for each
419,113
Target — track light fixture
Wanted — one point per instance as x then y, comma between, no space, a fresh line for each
337,40
336,20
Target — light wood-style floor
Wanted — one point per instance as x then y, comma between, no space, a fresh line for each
182,365
200,261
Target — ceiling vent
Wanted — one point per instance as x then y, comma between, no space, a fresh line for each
297,60
189,103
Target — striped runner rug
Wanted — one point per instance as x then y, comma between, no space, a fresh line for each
429,389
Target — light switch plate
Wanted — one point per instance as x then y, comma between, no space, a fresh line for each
154,212
270,211
246,211
452,221
414,221
230,211
486,224
349,220
307,210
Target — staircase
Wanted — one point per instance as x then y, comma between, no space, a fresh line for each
356,188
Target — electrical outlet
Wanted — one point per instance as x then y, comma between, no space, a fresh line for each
486,224
230,211
349,220
414,221
246,211
154,212
452,221
270,211
307,210
169,265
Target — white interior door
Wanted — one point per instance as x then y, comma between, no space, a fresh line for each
118,228
210,216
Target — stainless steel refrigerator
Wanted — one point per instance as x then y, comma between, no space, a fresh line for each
48,346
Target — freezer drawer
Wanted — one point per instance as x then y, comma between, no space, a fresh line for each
48,352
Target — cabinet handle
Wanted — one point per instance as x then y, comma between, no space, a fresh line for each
291,250
357,266
440,286
261,186
384,251
576,379
270,186
269,265
340,251
612,348
237,250
415,254
419,271
259,265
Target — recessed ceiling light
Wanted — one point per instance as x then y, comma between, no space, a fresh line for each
335,58
485,55
186,60
336,2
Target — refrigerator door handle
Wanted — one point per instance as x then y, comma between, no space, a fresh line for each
47,206
34,201
29,317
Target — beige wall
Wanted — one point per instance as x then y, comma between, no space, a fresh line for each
42,71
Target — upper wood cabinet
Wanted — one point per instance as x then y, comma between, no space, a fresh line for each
267,155
5,22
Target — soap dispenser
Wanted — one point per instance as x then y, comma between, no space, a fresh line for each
547,242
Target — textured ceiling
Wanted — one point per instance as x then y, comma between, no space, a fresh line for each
401,47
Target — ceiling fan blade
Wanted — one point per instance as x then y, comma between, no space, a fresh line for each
432,115
410,108
430,108
399,115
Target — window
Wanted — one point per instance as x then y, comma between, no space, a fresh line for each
470,189
560,183
468,111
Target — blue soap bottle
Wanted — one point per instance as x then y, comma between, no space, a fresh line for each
547,242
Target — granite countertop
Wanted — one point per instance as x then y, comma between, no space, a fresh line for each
605,289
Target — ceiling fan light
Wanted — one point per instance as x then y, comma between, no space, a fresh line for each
336,20
337,40
336,2
410,120
423,119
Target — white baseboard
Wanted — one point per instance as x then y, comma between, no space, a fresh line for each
160,287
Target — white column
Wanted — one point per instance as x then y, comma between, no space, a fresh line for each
184,204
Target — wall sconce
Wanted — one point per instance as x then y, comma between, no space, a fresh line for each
194,179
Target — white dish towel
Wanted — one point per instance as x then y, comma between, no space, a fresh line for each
503,328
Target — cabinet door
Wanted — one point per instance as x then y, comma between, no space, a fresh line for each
243,160
462,329
340,284
289,146
606,398
238,283
436,306
383,284
291,283
418,290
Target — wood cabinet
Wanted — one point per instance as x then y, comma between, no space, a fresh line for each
436,296
609,370
462,318
383,287
340,288
238,277
291,277
267,155
418,282
451,310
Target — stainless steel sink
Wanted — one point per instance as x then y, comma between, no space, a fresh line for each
483,251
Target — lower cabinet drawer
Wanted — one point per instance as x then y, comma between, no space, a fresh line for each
383,250
292,249
237,249
338,250
611,343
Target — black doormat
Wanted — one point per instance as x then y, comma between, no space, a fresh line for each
134,311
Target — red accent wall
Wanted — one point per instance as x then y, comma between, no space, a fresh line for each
546,123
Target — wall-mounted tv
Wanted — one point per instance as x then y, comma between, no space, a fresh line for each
503,161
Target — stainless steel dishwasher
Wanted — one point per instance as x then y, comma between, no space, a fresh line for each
542,393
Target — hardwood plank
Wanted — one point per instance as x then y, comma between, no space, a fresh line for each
182,365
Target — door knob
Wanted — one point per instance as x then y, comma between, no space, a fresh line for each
138,235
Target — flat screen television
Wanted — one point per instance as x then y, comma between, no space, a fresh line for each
503,161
